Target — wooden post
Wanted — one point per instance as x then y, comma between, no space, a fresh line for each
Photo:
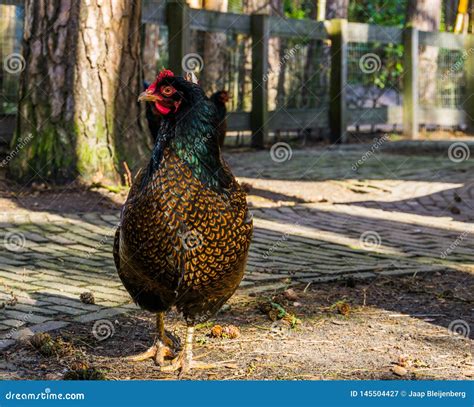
177,19
337,89
259,116
468,103
410,84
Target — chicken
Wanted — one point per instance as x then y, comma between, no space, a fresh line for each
185,227
220,98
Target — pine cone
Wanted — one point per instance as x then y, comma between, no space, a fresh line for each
40,339
231,332
216,331
87,298
344,308
79,365
84,374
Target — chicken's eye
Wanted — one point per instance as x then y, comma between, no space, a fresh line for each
167,90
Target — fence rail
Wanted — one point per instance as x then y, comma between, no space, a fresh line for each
336,115
339,32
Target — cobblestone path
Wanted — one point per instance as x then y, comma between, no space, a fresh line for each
321,215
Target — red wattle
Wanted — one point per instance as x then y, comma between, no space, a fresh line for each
162,109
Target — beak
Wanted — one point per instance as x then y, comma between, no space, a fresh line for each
147,97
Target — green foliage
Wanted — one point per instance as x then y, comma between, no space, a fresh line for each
389,12
390,71
235,6
298,9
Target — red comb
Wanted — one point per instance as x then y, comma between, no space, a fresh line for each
165,73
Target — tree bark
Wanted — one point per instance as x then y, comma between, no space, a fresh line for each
450,12
426,15
276,62
151,51
11,65
336,9
310,69
78,92
244,101
212,77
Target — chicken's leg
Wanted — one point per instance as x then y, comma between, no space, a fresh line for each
184,361
164,347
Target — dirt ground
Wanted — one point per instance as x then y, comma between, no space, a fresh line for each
69,199
388,328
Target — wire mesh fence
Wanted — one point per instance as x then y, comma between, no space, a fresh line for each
11,31
225,64
374,75
442,83
155,50
298,75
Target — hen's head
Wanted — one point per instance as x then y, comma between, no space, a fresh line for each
171,94
223,96
220,97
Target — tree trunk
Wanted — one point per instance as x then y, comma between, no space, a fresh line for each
213,77
336,9
78,93
450,12
311,69
245,70
151,51
276,61
426,15
11,63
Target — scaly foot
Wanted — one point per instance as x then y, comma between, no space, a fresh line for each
184,363
161,350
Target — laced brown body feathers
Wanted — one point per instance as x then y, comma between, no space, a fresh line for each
181,243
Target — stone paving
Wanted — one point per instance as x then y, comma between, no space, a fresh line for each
319,216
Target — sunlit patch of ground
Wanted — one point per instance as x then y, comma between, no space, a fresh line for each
392,329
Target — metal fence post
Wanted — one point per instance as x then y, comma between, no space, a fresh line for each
410,83
338,29
177,19
259,116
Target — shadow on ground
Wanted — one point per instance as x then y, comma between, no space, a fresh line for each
364,344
